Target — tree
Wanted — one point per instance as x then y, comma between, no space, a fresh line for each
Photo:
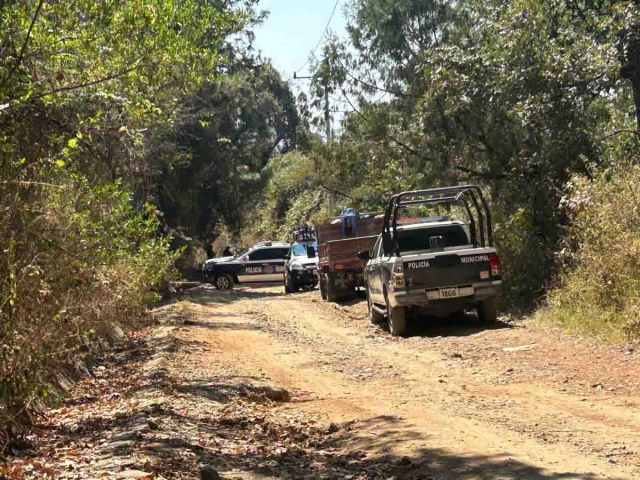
629,53
87,90
90,82
235,126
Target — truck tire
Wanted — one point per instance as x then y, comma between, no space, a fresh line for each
330,288
375,316
323,289
349,294
397,319
488,311
224,281
289,284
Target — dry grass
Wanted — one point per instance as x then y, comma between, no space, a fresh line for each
599,291
74,260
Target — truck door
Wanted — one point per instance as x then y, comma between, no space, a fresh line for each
254,268
274,264
373,273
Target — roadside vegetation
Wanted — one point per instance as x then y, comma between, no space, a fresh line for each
125,127
134,133
598,289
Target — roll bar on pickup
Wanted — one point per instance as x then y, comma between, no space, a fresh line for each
469,196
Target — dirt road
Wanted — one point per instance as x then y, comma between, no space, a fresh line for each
517,401
452,401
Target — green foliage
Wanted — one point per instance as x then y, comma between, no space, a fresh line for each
237,124
599,289
527,264
96,80
292,194
88,92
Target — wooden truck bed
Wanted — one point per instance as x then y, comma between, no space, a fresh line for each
343,254
340,271
366,228
337,252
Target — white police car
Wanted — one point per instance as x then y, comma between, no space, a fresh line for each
301,267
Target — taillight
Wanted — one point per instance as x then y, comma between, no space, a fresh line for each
494,260
397,277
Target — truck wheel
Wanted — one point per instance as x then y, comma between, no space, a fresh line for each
397,320
289,285
323,289
488,311
349,294
330,288
224,281
375,316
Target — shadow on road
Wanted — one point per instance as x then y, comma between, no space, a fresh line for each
451,326
419,325
216,325
207,295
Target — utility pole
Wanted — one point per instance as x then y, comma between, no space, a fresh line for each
327,123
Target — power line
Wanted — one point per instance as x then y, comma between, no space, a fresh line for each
326,29
376,87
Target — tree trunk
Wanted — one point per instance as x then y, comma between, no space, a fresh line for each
629,55
636,97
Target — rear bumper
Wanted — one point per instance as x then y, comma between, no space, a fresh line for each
418,298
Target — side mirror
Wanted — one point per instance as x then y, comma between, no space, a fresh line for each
287,256
311,251
364,255
436,243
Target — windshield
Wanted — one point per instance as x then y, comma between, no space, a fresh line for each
418,239
241,254
300,250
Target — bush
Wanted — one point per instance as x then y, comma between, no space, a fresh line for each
527,262
75,259
599,288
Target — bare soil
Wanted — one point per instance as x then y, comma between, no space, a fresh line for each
452,400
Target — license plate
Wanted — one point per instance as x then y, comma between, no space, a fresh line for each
448,293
